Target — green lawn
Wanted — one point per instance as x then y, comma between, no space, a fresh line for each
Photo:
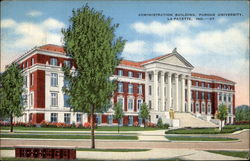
201,131
24,159
240,154
243,126
119,137
196,138
101,128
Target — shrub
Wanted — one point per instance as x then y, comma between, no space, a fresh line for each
160,123
136,124
166,126
150,124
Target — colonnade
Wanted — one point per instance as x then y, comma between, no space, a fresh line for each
168,89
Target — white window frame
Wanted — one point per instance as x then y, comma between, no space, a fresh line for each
120,72
54,103
54,61
67,63
54,80
130,74
139,104
209,108
120,87
140,75
203,108
79,115
31,99
118,101
25,79
139,89
53,116
130,88
197,107
32,79
67,116
32,61
132,105
150,90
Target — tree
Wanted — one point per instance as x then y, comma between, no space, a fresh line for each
90,40
144,113
118,113
11,90
242,113
222,114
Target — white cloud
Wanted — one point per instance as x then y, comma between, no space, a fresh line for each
134,47
51,24
222,20
7,23
162,29
34,13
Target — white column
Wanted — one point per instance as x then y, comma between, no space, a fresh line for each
176,92
169,90
189,94
146,87
156,90
183,93
162,90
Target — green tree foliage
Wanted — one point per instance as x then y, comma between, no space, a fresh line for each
160,123
144,113
118,113
90,40
242,113
222,113
11,90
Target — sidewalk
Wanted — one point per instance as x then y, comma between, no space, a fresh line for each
157,135
185,154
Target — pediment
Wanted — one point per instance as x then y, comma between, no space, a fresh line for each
175,59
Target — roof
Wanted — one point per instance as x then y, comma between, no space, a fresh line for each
211,77
51,47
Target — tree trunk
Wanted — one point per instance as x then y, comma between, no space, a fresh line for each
144,122
118,126
92,127
11,123
220,125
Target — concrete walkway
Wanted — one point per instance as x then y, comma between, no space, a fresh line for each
156,135
185,154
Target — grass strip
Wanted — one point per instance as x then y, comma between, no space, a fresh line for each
200,131
112,150
102,128
240,154
24,159
66,133
192,138
114,137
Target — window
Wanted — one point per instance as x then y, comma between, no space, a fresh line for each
120,87
31,79
220,86
208,85
130,88
53,61
110,119
120,101
120,72
150,76
25,100
130,74
66,83
202,84
66,63
130,120
139,103
67,118
197,84
98,119
139,89
66,100
54,99
78,117
25,81
140,75
197,95
32,61
31,99
229,98
225,97
54,79
220,96
140,120
150,104
202,95
209,96
209,108
53,117
203,108
197,107
150,90
130,104
27,64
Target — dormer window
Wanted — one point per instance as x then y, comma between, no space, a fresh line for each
130,74
53,61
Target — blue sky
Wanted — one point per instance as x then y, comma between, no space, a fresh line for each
218,46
